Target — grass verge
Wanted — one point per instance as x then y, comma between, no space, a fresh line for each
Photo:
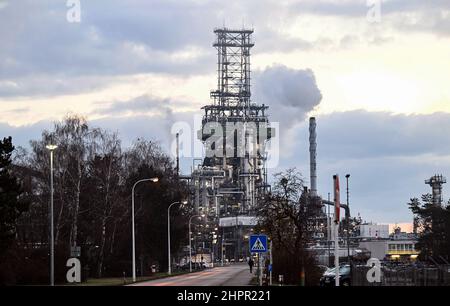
120,281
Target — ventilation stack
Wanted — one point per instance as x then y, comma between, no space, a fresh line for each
312,155
436,183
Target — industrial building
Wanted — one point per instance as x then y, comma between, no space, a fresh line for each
229,182
397,246
375,231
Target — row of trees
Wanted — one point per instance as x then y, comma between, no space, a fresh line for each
93,178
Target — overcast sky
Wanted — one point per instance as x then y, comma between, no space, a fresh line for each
378,87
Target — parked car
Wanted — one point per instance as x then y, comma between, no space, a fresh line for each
329,276
195,266
208,265
323,268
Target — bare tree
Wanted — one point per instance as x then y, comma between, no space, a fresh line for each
93,180
287,216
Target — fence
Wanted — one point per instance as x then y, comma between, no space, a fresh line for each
404,275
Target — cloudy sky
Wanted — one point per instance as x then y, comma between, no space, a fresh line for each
378,84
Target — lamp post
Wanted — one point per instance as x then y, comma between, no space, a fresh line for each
190,243
348,224
168,234
154,180
51,148
329,231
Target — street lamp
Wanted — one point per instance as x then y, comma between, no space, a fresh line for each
51,148
190,243
154,180
348,223
168,234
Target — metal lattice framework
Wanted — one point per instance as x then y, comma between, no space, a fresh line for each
436,183
233,71
232,104
228,186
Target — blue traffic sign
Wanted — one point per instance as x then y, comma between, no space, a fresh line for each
258,243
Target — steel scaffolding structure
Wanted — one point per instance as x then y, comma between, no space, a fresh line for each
232,177
233,67
436,183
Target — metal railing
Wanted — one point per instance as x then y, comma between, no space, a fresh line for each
404,275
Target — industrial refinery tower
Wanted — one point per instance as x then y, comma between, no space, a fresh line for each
232,177
436,183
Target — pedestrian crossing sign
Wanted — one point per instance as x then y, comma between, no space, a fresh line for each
258,243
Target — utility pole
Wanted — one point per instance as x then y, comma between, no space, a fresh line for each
51,148
178,154
133,235
190,243
222,244
168,236
348,223
336,232
329,231
259,270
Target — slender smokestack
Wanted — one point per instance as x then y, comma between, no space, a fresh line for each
178,154
312,155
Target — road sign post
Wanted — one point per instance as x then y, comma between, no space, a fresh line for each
260,268
258,245
271,263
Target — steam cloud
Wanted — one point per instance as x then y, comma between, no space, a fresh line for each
290,94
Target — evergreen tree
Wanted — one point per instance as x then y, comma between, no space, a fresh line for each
10,190
433,226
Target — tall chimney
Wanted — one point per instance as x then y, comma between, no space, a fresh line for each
178,155
312,155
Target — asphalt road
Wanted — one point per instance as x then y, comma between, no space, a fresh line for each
233,275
